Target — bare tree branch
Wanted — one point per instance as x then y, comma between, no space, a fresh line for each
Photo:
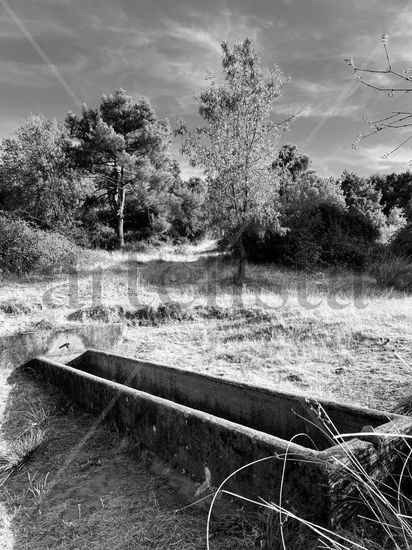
396,119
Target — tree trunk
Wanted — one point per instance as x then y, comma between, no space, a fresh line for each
120,217
120,230
242,257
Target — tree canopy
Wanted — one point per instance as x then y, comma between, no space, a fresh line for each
237,143
38,179
124,147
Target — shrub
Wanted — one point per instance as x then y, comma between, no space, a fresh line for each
103,236
401,244
322,236
39,181
26,249
395,221
187,211
348,238
393,271
323,228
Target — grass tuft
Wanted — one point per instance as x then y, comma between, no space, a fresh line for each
21,451
394,272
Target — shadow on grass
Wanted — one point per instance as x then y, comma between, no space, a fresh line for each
90,486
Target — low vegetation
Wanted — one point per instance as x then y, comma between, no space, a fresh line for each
393,271
26,249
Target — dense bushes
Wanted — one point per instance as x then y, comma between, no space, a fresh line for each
26,249
332,222
393,268
396,191
325,235
327,224
187,216
401,243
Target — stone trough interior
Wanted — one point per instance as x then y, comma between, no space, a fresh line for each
284,415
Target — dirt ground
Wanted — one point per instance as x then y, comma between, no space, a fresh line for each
88,487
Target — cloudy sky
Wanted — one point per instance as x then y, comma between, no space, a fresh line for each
163,48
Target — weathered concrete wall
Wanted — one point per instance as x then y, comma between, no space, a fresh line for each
274,412
59,343
379,462
192,440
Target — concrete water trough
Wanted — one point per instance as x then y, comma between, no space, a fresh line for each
200,424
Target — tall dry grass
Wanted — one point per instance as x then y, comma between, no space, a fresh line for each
393,271
382,513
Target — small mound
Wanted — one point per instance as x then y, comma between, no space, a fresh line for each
43,324
231,314
102,314
144,315
163,313
14,307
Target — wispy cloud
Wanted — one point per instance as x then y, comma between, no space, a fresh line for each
163,49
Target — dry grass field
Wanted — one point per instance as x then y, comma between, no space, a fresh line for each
327,334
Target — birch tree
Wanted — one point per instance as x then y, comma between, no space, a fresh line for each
237,143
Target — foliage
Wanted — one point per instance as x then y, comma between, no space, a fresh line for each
363,198
124,147
394,222
38,180
396,191
291,160
237,144
349,240
58,176
322,231
325,235
330,222
100,235
27,249
187,213
401,243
